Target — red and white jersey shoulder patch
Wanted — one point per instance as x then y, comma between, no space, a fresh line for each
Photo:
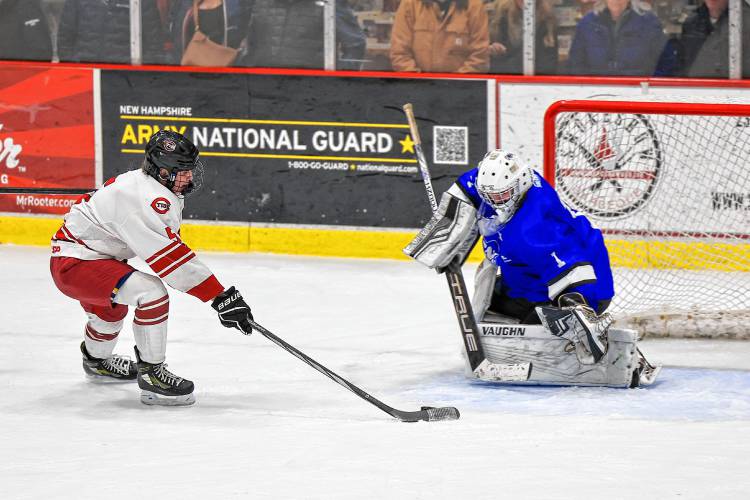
161,205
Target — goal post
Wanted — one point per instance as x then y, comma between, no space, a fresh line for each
668,183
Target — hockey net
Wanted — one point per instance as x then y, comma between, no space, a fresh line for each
668,183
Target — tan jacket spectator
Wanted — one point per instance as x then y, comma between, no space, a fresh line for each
440,36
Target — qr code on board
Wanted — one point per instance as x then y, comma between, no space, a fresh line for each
451,145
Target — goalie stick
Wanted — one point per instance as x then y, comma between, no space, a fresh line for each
481,367
426,413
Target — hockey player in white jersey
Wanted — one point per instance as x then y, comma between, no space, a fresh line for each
139,213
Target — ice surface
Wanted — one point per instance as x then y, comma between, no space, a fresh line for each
267,426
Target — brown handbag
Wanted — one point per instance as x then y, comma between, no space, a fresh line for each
201,51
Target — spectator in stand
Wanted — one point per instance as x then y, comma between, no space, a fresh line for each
223,22
165,8
289,34
703,48
618,37
99,31
449,36
506,38
24,33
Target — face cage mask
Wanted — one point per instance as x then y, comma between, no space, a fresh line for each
492,216
191,187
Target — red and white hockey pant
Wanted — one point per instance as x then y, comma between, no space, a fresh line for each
105,288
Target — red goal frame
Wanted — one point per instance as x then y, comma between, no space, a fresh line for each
639,107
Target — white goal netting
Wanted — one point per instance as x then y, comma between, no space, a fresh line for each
668,183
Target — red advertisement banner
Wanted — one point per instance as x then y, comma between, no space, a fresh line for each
46,135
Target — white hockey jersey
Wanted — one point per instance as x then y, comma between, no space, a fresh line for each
134,215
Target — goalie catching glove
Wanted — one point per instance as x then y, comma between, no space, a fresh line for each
450,233
233,310
576,321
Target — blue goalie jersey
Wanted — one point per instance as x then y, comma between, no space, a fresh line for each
546,248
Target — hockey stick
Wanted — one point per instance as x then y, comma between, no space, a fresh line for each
481,367
426,413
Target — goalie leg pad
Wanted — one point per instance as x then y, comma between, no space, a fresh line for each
555,364
450,233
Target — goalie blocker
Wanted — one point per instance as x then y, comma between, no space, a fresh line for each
450,233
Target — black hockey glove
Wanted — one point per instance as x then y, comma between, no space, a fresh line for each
233,310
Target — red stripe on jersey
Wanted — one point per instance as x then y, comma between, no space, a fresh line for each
207,290
161,252
98,336
60,236
86,197
177,264
169,259
67,232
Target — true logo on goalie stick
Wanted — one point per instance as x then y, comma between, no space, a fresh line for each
461,304
607,166
161,205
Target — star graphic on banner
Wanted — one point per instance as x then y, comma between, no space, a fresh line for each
407,145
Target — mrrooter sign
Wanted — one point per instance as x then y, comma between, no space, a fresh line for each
302,150
46,136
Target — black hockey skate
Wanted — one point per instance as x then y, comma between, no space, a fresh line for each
115,368
161,387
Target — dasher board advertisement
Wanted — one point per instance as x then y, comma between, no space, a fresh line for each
300,149
46,136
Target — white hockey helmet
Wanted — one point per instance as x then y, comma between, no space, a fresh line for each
502,181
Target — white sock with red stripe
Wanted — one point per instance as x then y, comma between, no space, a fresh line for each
149,297
101,336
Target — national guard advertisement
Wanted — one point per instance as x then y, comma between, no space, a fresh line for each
300,149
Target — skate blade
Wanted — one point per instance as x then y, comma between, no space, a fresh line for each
153,399
104,379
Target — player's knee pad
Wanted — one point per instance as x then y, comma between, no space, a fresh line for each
450,233
142,290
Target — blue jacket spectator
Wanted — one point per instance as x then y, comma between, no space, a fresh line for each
704,44
224,22
289,34
617,38
99,31
24,33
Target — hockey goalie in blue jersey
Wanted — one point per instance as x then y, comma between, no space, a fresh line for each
544,262
544,249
